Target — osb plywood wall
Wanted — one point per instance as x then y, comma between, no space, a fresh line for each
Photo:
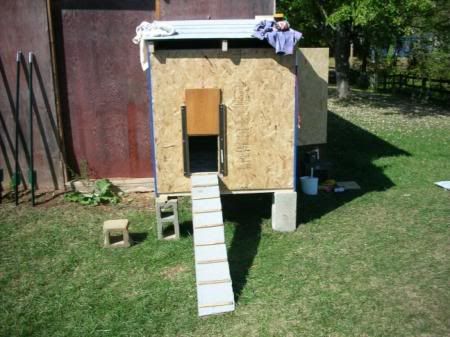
258,92
313,95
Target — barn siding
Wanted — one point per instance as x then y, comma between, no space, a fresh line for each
106,92
24,26
215,9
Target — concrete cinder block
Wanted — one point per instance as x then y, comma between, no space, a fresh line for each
170,207
284,211
116,226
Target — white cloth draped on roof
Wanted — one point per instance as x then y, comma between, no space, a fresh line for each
146,30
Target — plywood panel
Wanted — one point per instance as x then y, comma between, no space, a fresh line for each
257,88
313,95
202,107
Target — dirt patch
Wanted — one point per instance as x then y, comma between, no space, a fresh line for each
171,273
45,199
139,200
42,198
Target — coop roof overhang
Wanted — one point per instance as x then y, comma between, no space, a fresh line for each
208,29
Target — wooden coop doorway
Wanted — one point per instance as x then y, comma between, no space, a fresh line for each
204,139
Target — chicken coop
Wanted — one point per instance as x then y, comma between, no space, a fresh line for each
222,102
224,116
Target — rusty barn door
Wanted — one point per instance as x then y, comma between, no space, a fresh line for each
107,105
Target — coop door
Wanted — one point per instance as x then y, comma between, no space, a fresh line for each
203,120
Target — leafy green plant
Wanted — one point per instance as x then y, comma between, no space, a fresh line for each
103,193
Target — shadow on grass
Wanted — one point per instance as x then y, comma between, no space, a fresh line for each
247,212
186,229
352,151
138,238
45,197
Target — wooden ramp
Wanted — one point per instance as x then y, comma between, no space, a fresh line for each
214,288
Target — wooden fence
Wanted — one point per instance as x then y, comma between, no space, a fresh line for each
422,86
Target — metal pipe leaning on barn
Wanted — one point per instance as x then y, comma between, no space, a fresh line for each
31,173
16,176
1,185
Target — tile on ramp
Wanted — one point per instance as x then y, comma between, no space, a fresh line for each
214,286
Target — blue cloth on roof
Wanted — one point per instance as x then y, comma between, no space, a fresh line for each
283,41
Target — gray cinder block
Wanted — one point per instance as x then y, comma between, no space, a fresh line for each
116,226
163,205
284,211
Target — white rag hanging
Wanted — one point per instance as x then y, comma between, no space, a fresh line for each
147,30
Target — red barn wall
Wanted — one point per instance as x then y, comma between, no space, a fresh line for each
215,9
24,26
107,108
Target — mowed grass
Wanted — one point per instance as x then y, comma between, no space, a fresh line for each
374,262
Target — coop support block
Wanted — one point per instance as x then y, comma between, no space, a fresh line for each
284,211
167,212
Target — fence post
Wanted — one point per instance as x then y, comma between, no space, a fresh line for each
424,86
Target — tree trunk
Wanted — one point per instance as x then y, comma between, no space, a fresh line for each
341,55
364,63
365,48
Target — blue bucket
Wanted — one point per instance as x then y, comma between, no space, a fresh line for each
310,185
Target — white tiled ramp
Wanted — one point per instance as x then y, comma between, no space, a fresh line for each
208,219
205,192
206,205
214,288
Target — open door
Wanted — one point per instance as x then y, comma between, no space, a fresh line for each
203,121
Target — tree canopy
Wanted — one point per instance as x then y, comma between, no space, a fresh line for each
380,21
368,24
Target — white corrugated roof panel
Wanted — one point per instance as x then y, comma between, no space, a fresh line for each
209,29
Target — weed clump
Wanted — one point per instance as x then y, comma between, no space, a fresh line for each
103,193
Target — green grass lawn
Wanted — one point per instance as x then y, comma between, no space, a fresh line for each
374,262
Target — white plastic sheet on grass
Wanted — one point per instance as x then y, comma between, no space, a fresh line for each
444,184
